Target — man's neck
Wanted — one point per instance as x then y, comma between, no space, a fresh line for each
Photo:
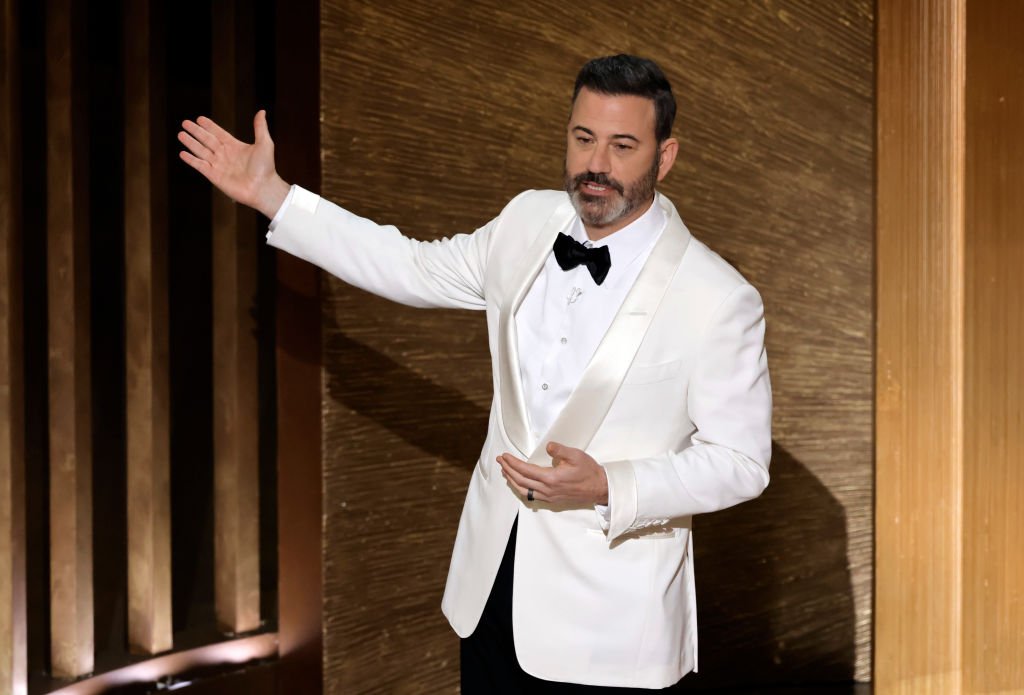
596,233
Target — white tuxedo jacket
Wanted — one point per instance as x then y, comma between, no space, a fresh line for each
675,403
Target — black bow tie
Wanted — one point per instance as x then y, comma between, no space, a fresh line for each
570,253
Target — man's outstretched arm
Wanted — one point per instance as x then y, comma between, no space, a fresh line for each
243,172
445,273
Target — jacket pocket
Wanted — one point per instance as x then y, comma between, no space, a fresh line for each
650,373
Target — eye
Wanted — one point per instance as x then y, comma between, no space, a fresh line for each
584,140
622,147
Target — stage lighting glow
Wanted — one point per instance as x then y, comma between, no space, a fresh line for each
160,670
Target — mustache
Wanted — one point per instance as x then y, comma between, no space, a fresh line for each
598,179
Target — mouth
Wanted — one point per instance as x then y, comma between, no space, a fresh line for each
595,189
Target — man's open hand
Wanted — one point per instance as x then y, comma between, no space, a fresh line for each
243,172
574,477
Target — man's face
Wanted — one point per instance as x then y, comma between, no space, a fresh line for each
612,161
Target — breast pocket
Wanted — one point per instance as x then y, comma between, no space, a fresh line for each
652,373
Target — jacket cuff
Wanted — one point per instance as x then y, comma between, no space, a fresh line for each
302,199
621,497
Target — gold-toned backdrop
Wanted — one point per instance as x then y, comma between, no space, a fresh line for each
950,312
433,116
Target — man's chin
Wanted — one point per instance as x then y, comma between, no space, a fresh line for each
599,222
599,214
592,209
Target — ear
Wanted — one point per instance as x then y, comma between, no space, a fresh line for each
667,156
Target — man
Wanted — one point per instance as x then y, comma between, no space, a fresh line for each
630,380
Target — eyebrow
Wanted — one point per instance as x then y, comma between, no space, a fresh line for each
625,136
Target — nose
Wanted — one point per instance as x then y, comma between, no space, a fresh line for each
600,162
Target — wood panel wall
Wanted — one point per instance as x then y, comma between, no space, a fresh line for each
147,336
13,637
70,380
99,416
950,578
235,238
920,308
993,477
298,353
433,117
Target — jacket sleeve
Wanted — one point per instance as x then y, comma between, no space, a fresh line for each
448,273
730,404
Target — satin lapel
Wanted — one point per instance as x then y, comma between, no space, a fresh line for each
593,396
513,404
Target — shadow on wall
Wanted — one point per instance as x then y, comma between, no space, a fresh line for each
436,419
775,599
774,596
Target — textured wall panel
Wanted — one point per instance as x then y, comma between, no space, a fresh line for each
950,387
993,464
70,383
13,628
436,115
147,358
235,347
918,637
297,319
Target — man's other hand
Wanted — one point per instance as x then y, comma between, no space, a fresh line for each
574,477
243,172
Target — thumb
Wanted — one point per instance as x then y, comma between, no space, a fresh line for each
259,126
557,451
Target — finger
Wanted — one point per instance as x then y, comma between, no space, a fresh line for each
259,126
510,457
511,473
524,490
200,165
200,133
522,480
197,148
214,129
529,471
516,487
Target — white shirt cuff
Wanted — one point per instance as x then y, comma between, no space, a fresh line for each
604,511
301,198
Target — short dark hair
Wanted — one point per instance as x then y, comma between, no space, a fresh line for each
625,74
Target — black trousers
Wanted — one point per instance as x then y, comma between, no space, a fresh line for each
488,657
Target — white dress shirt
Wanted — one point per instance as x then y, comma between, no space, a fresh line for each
565,314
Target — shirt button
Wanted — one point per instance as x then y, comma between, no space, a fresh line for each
564,341
544,387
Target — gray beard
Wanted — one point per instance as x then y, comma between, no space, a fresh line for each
599,212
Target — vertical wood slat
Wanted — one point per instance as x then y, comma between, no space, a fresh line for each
13,636
236,431
71,590
299,478
920,253
994,377
146,339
